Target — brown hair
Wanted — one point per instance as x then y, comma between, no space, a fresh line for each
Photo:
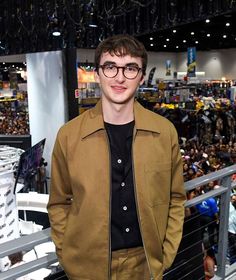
121,45
16,257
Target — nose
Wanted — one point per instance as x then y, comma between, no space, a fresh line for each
120,77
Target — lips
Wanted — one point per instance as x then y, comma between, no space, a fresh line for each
118,88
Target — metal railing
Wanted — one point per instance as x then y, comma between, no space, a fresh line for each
223,192
26,243
223,176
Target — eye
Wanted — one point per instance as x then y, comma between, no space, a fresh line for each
110,67
131,68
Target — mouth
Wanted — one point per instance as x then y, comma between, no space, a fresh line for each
119,89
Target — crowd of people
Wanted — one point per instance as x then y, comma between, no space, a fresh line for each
198,160
14,120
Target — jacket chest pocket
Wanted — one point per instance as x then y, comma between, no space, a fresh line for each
158,183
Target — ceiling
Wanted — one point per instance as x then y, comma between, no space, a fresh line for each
28,26
212,32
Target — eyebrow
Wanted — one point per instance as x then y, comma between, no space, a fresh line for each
127,64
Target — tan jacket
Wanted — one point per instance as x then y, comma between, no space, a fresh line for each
79,204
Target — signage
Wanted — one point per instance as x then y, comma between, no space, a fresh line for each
191,70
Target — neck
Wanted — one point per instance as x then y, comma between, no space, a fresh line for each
118,113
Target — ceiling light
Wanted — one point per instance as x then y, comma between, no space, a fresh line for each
227,24
207,20
192,33
3,63
177,47
93,25
196,42
151,38
56,33
164,46
224,36
174,31
167,39
184,41
151,45
208,35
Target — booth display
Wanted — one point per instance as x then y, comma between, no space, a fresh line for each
88,92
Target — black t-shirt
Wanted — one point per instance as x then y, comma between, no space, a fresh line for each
125,231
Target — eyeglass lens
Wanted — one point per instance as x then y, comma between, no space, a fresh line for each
130,72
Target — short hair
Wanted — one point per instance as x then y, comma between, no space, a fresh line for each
122,45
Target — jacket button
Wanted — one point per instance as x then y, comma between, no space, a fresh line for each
122,184
127,229
125,208
119,161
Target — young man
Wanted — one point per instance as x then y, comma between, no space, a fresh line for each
117,199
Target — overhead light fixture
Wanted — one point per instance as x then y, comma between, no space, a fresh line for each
208,35
56,32
151,38
227,24
207,20
164,46
167,39
177,47
192,33
151,45
93,25
184,41
224,36
174,31
196,42
92,18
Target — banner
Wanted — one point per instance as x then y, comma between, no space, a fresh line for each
150,76
168,67
191,71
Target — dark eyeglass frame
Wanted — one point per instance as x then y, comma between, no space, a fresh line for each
117,70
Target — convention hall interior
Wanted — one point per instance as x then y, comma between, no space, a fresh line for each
47,78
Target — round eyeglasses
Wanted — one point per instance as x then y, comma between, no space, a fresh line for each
130,71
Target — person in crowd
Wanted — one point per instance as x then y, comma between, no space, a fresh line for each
16,259
232,230
208,211
116,202
209,263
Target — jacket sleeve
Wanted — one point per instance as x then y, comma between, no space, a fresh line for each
176,208
60,194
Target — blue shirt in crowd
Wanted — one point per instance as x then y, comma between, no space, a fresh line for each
208,207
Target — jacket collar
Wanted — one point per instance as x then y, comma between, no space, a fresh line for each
143,120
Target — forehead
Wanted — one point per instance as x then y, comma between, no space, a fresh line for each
120,60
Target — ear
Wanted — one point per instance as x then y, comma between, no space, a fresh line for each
142,80
96,77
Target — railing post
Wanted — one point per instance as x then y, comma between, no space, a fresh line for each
223,228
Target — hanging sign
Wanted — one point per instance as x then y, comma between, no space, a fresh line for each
168,67
191,71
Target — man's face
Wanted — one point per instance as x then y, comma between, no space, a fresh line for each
119,90
233,198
